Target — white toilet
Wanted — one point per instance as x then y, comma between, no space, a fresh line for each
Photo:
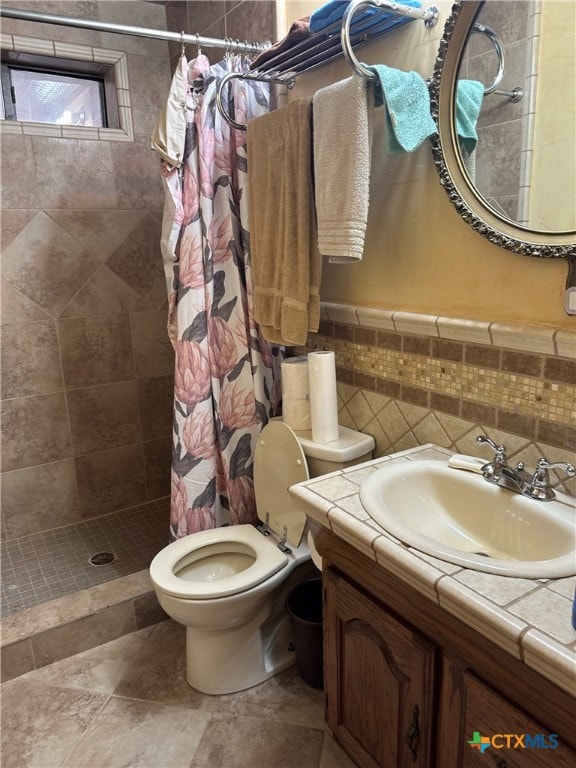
228,585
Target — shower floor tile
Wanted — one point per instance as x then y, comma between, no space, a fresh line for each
43,566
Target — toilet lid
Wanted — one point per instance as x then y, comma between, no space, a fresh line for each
196,548
279,462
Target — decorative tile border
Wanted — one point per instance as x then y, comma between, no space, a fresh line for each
476,371
78,53
529,338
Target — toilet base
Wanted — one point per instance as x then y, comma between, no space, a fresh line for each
228,662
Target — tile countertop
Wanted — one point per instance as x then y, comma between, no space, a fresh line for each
529,618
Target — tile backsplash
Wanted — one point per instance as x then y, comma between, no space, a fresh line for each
409,379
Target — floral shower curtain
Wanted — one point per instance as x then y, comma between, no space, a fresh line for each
227,376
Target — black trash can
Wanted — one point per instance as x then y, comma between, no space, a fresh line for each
304,606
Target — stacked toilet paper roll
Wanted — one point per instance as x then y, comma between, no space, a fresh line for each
323,398
295,393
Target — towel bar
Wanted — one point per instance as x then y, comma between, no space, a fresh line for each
428,15
321,47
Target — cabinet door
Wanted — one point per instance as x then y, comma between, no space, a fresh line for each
470,709
379,678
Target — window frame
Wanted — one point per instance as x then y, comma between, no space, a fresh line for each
108,64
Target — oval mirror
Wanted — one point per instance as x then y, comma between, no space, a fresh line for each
503,94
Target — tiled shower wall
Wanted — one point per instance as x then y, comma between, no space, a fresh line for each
410,379
86,363
251,20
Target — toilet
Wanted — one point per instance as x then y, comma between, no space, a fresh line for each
228,585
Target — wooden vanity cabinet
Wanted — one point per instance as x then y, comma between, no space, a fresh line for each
381,685
408,684
476,706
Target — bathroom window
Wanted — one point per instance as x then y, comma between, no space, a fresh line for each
49,96
51,88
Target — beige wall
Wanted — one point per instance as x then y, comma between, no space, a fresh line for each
420,256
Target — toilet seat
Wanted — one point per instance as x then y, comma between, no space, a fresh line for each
268,560
279,462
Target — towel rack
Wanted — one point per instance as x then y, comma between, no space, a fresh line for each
321,47
515,94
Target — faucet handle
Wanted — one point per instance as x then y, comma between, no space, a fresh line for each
540,488
500,450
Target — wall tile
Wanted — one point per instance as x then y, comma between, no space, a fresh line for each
14,222
149,83
95,629
46,264
157,458
96,350
134,162
520,363
560,370
153,353
517,423
18,188
156,406
74,174
104,417
100,232
252,20
111,480
147,611
17,659
39,498
447,350
418,345
138,261
104,294
487,357
17,308
35,431
30,359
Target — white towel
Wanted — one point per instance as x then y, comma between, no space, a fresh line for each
342,155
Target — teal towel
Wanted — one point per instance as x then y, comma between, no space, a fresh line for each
469,95
407,100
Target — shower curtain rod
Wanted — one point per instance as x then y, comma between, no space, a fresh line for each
124,29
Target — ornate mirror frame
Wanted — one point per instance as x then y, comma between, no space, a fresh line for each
472,208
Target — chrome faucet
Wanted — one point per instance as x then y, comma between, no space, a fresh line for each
517,479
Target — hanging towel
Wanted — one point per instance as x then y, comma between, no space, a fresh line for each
469,95
407,101
342,157
286,264
169,132
333,11
299,31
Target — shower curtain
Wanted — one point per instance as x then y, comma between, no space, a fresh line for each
227,376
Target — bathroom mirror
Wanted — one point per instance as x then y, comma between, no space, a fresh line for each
503,94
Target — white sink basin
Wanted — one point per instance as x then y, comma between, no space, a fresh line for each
458,516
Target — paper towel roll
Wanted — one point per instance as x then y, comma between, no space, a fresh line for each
295,393
323,399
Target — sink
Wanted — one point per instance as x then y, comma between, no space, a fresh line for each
459,517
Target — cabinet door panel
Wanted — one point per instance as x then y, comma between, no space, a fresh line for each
380,696
483,711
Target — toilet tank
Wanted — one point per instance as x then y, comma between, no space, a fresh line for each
351,448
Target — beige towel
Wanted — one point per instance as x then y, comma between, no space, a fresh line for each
286,264
342,156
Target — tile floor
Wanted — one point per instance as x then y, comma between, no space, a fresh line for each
126,704
43,566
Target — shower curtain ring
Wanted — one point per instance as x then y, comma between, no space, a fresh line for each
199,53
183,48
